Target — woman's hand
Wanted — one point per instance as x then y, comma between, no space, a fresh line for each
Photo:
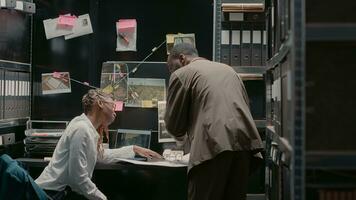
145,152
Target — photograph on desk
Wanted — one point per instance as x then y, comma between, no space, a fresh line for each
163,135
114,80
145,92
57,82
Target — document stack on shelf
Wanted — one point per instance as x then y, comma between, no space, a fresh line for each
243,39
278,25
243,33
14,94
243,7
42,137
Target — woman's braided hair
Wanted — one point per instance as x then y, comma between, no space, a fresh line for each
88,102
90,98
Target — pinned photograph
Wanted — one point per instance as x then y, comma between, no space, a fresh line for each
81,27
169,42
126,30
145,92
113,80
57,82
52,29
185,38
173,39
163,135
68,26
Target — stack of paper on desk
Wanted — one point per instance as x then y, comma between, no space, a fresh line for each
40,146
42,137
163,163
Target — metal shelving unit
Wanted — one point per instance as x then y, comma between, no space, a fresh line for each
250,69
280,55
15,66
216,31
298,98
7,123
285,102
247,73
330,165
15,122
330,161
260,123
217,27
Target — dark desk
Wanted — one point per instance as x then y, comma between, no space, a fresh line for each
127,181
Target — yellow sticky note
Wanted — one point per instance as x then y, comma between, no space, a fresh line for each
146,104
170,38
108,89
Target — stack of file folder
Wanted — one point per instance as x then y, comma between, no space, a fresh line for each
244,39
14,94
279,26
40,146
41,142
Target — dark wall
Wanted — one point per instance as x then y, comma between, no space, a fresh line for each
57,54
155,19
319,12
330,99
83,56
257,99
14,39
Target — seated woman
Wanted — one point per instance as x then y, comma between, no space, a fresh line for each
80,147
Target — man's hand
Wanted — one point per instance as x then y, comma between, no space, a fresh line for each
182,138
145,152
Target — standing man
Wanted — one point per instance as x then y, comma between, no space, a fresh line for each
208,102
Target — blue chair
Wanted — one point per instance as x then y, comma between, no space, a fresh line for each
16,183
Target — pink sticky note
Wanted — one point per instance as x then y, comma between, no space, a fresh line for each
119,105
126,24
57,75
61,75
66,20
